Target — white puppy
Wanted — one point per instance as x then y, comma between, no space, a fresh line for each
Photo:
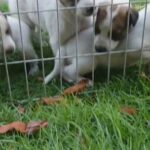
10,40
49,19
85,44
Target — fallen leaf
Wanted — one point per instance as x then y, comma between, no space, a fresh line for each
17,126
33,127
77,88
129,110
21,110
51,100
24,128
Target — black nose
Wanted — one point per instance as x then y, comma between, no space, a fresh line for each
100,49
89,11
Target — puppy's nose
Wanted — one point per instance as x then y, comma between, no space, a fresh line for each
90,11
100,49
9,50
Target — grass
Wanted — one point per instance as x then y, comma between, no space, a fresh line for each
91,120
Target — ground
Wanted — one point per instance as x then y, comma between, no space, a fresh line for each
91,120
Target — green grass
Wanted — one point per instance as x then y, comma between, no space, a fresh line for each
91,120
3,7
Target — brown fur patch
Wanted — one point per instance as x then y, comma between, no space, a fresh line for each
102,13
119,24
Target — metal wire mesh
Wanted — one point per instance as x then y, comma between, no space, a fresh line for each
8,82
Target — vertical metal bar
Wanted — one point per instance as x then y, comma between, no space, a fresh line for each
109,53
7,72
77,28
126,47
41,46
93,63
24,59
142,44
59,43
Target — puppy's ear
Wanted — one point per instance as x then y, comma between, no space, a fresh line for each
101,15
134,15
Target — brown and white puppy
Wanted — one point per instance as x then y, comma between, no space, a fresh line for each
112,24
85,44
137,45
11,40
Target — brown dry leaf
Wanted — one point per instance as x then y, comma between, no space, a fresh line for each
21,127
33,127
77,88
51,100
129,110
21,110
18,126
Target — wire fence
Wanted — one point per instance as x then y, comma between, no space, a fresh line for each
15,83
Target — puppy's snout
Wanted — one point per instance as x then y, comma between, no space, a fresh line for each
89,11
100,49
9,50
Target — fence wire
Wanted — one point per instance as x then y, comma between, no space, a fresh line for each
43,60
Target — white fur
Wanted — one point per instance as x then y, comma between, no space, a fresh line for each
49,20
85,46
13,40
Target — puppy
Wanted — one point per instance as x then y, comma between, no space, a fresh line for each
11,40
85,45
135,45
112,24
64,21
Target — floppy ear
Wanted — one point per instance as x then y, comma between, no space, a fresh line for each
101,15
134,15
